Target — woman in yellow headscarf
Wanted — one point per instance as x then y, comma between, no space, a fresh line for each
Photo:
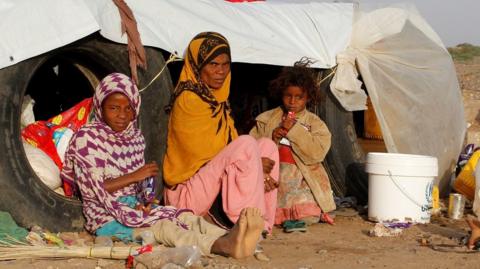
209,168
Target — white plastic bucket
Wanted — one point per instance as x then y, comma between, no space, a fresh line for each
400,187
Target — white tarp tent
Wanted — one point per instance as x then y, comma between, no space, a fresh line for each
273,32
30,28
407,71
411,81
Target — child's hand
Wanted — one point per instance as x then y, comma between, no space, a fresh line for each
278,133
148,170
288,123
145,208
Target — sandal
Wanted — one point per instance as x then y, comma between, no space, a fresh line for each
324,217
290,226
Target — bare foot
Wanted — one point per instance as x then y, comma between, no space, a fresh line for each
475,227
240,242
255,226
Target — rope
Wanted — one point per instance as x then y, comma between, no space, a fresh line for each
172,58
175,58
329,75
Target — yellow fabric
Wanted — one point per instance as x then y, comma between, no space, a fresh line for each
197,129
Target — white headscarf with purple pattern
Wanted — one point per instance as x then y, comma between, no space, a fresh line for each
97,153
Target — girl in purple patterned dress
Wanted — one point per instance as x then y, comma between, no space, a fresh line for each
105,159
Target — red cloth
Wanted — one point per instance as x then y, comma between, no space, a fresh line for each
297,212
286,155
40,133
239,1
75,117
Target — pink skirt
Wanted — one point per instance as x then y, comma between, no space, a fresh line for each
237,173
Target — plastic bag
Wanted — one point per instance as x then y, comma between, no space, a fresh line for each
41,133
27,117
148,238
43,166
184,256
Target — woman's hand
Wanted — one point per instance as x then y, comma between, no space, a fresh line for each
278,133
267,165
270,183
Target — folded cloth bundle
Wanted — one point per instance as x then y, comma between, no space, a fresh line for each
294,226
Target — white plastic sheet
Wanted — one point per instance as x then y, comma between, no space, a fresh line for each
29,28
270,32
345,84
411,80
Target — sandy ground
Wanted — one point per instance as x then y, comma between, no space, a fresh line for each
347,244
344,245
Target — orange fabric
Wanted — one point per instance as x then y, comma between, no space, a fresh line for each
200,124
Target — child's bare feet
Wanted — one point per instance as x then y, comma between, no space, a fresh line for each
475,227
240,242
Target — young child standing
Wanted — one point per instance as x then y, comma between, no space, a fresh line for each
303,140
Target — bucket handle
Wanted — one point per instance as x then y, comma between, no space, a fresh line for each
405,192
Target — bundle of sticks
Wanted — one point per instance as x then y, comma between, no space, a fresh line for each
11,249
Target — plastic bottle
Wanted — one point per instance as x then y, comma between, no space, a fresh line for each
148,238
146,190
185,256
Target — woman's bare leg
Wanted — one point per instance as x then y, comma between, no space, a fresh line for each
475,227
242,239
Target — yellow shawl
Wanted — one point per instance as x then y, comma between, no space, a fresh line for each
200,124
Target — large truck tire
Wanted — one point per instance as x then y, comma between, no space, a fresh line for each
345,160
22,194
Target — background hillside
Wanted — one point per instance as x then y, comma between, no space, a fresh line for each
467,63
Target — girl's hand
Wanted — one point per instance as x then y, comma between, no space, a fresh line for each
278,133
288,123
148,170
145,208
270,183
267,165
